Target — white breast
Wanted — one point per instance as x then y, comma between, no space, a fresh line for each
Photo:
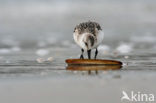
79,41
100,37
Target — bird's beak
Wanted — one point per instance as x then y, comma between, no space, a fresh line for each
86,44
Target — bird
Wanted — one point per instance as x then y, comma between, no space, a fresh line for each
88,35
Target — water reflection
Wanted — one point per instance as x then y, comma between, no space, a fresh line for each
95,68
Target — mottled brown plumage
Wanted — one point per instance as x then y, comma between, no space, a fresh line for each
88,27
88,35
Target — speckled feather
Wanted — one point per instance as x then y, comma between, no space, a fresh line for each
88,35
87,27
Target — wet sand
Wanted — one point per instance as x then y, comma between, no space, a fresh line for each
23,79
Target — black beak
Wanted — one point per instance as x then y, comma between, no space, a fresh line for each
86,44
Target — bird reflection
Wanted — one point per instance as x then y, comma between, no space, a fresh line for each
91,68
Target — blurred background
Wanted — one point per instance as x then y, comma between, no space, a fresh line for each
36,36
40,23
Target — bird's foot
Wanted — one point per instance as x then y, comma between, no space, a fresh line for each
81,57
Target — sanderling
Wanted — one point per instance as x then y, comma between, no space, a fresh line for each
88,35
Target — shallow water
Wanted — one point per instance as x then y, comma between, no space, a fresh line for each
25,63
49,81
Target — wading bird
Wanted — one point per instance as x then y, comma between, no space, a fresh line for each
88,35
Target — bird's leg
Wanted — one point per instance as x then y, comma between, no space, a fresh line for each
89,54
89,72
81,56
96,71
96,52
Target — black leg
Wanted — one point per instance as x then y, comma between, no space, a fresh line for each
96,71
89,72
89,54
96,52
81,56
